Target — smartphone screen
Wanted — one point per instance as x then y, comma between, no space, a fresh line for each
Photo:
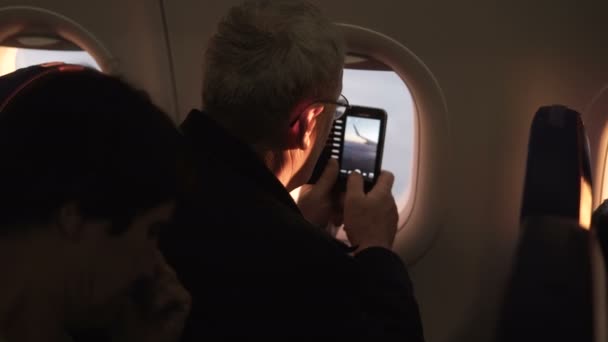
360,147
357,141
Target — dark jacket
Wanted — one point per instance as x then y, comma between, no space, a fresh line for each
256,268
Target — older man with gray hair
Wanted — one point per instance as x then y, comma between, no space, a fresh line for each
258,264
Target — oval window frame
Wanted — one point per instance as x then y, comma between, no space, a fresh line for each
420,221
15,20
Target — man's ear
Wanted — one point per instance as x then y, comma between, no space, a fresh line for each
70,222
300,133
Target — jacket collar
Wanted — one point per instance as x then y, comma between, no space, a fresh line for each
228,151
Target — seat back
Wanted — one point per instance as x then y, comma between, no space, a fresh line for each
551,291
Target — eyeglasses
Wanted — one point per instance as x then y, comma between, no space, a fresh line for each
341,106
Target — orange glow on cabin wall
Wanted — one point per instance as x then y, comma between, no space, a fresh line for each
586,205
7,60
603,168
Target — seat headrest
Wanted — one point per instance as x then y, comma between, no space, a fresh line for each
558,165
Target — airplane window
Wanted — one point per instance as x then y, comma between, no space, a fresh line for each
380,72
370,83
21,52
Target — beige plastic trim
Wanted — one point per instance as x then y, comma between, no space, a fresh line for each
425,213
18,19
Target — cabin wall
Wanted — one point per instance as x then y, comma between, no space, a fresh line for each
496,65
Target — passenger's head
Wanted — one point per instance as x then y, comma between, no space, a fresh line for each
271,71
89,173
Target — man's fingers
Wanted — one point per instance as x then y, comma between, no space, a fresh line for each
329,176
384,183
338,210
354,187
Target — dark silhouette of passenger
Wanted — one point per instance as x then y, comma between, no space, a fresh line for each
256,263
89,175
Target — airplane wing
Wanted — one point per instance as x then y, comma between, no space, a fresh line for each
365,140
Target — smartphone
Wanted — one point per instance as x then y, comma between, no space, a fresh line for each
356,140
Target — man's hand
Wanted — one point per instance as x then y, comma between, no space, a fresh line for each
370,220
318,202
156,310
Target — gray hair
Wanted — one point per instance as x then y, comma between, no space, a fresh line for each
266,56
